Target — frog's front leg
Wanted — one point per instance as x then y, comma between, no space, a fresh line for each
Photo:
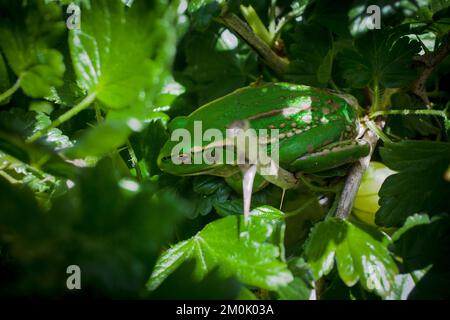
331,156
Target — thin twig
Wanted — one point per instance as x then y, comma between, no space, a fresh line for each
429,62
86,102
273,61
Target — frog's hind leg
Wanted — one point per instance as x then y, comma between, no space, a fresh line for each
331,156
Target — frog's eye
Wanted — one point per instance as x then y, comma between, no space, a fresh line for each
166,159
179,159
177,123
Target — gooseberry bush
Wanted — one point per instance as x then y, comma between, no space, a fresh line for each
88,87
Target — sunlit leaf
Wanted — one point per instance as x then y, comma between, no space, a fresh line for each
238,251
357,255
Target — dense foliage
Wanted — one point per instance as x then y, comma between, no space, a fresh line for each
84,113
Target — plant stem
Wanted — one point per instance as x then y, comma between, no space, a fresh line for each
242,29
376,97
5,95
286,19
428,112
272,17
256,24
439,113
429,62
86,102
375,129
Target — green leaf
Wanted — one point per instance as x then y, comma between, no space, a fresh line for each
419,185
113,51
111,134
297,289
125,81
207,184
411,222
26,123
38,80
69,93
422,244
231,207
16,124
203,11
338,290
312,57
358,256
380,56
441,21
44,186
4,78
182,285
204,204
330,14
148,143
26,37
410,126
404,284
205,199
54,137
244,253
246,294
111,227
212,72
325,68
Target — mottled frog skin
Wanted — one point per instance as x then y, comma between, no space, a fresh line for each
317,127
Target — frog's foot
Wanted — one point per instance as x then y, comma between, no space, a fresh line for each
278,176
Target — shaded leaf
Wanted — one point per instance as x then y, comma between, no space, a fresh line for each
422,244
111,227
203,11
26,37
148,143
419,185
182,285
380,56
4,78
312,58
209,73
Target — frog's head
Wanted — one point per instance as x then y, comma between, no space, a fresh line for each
180,163
180,156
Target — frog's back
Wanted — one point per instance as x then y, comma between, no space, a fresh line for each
266,106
